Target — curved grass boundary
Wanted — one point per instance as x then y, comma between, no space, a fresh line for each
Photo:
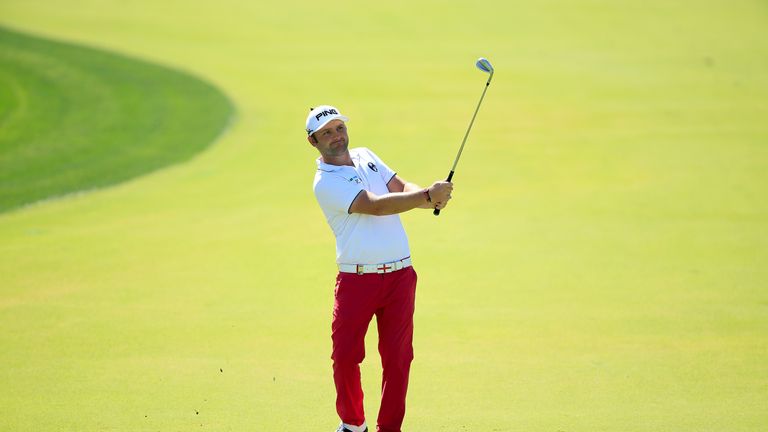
74,118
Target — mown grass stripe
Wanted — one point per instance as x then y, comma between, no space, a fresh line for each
75,118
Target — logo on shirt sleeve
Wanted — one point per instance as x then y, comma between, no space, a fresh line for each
372,166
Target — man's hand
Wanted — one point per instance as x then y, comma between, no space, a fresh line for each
440,192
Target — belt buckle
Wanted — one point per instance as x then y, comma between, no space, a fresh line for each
360,269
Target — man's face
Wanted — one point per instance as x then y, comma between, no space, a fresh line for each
332,139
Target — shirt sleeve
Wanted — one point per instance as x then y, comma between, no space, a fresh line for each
384,170
335,193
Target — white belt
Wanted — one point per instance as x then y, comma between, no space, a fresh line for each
375,268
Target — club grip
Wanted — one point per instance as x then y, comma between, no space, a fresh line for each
436,212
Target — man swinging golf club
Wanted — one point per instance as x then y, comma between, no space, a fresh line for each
361,198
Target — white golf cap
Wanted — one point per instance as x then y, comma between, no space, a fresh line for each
320,116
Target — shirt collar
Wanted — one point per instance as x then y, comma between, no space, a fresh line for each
322,166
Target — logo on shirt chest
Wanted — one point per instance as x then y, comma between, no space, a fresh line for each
355,179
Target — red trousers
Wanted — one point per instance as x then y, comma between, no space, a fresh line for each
389,296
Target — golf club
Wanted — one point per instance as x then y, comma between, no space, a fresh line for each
484,65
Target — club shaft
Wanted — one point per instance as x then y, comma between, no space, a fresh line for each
436,212
464,141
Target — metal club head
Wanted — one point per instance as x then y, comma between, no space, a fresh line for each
484,65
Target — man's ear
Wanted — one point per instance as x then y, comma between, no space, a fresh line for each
312,140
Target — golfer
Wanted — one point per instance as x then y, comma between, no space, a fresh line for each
361,197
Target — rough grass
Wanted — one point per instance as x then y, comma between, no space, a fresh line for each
74,118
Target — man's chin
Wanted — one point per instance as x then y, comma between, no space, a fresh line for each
340,149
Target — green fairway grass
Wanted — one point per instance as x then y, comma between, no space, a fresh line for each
74,118
600,268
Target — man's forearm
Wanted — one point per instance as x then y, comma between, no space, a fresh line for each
398,202
413,187
402,196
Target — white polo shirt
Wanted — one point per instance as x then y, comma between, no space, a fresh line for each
360,238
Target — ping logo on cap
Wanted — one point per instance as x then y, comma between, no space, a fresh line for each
324,113
320,116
